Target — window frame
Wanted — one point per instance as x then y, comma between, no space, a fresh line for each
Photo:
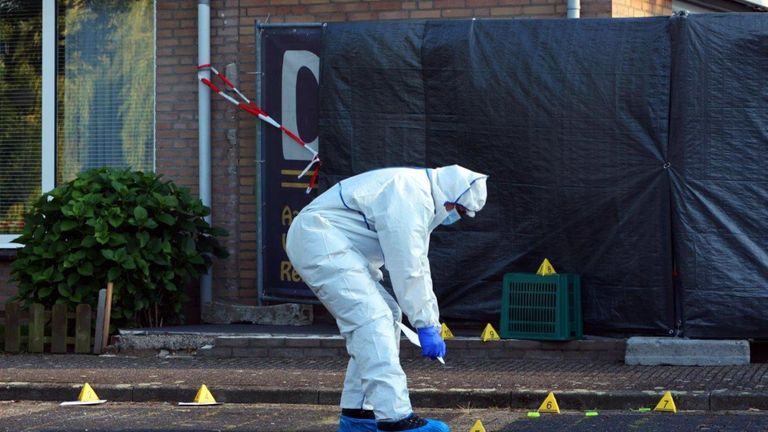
48,141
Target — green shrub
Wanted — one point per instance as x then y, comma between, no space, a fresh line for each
144,234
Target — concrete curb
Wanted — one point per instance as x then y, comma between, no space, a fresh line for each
332,346
718,400
731,400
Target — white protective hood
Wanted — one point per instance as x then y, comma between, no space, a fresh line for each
457,185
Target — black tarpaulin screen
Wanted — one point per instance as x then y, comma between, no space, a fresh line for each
571,119
719,173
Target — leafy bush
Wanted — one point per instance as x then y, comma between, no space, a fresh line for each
144,234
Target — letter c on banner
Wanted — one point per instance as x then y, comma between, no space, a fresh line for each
293,61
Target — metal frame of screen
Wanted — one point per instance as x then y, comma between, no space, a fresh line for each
263,295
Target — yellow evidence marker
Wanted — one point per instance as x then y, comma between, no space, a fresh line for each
489,333
202,398
550,405
445,332
87,397
478,427
666,404
546,268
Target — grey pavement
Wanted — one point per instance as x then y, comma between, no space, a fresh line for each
34,416
480,377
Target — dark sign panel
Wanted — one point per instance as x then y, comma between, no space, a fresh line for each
290,64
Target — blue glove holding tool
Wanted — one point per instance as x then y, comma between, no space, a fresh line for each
432,344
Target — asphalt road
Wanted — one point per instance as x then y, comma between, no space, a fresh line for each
133,417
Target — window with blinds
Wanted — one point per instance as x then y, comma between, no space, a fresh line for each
105,86
104,94
20,110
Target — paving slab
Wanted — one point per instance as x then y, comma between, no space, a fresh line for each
654,351
516,383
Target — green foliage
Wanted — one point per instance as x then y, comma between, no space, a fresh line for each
144,234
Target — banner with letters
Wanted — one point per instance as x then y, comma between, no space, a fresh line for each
290,67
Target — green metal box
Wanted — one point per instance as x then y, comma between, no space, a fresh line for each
541,307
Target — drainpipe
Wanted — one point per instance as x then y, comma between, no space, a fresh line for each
574,8
204,128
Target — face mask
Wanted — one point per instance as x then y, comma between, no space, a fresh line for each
453,217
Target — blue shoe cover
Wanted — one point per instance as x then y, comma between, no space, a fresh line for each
350,424
431,426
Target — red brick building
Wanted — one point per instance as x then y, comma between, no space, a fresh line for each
234,133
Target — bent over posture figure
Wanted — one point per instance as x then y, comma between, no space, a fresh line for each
339,242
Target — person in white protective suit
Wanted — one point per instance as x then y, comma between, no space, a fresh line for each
339,242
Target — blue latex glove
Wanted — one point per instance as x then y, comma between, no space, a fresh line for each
432,344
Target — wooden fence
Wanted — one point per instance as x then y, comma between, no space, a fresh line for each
47,328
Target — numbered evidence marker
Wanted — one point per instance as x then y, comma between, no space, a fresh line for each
478,427
546,268
489,333
445,332
666,404
202,398
550,405
87,397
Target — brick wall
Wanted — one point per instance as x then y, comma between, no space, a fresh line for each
353,10
641,8
232,168
234,133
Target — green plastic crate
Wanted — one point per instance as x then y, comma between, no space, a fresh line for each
541,307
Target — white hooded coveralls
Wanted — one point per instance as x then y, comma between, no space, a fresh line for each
339,242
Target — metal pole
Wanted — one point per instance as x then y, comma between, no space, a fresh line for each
204,121
259,179
574,8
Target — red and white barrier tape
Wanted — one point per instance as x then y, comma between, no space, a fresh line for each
249,107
